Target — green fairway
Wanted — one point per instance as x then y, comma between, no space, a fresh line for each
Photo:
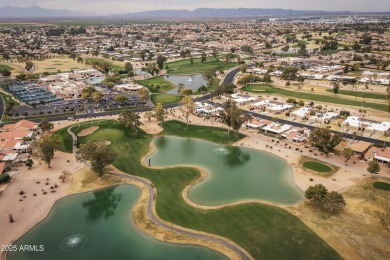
263,88
212,134
266,232
165,99
157,84
184,67
382,186
360,94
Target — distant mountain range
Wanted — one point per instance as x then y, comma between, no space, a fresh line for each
222,12
37,12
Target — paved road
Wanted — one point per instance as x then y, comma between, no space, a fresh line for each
155,220
228,79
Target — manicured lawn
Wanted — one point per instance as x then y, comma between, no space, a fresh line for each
382,186
266,232
263,88
360,94
152,84
164,99
316,166
184,67
213,134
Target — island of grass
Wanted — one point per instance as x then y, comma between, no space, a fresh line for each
184,67
269,89
381,185
317,167
157,84
264,231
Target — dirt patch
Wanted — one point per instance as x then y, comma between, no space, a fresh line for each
88,131
356,233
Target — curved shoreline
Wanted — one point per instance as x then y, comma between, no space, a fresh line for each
203,176
219,244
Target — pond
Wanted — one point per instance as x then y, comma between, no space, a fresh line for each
98,225
234,173
193,82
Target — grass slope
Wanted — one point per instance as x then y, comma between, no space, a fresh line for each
65,140
213,134
266,232
164,99
263,88
152,83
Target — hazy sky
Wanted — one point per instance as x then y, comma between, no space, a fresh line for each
128,6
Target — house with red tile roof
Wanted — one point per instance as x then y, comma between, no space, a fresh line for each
379,154
21,125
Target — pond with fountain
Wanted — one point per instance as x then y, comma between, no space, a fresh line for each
193,82
99,225
233,173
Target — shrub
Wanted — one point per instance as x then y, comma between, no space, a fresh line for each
4,178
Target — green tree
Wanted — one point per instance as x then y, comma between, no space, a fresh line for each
232,116
316,193
130,119
333,201
347,154
29,65
98,154
121,99
159,113
44,148
149,115
336,88
142,55
29,163
187,106
325,140
215,52
186,92
45,125
143,94
290,73
373,167
203,57
97,97
160,61
129,69
6,73
243,68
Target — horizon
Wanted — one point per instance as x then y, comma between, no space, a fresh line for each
98,7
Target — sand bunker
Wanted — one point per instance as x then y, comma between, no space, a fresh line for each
88,131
